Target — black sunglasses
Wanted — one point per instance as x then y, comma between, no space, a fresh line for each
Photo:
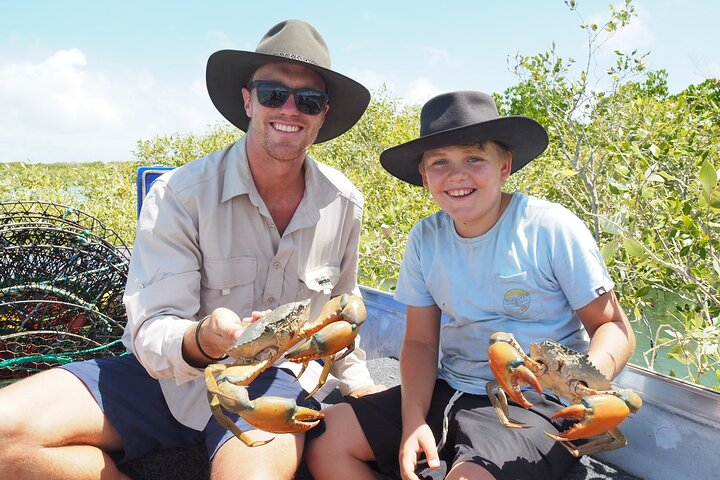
274,95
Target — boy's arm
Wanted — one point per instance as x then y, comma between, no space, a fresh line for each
418,373
612,340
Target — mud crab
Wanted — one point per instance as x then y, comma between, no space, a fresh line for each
265,341
598,407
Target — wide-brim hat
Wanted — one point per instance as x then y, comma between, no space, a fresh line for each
293,41
460,118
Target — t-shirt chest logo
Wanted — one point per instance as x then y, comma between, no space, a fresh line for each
516,301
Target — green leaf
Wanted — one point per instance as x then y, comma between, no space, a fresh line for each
608,250
708,179
633,247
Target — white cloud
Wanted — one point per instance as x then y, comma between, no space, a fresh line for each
420,91
435,56
62,109
372,79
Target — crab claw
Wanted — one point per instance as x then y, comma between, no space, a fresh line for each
344,307
597,414
280,415
326,342
509,369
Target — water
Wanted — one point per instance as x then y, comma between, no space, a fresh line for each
658,318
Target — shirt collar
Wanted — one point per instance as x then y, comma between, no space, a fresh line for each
238,179
319,189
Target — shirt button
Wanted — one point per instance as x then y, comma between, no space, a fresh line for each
272,226
270,300
276,265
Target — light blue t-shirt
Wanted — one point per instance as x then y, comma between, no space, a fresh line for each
527,275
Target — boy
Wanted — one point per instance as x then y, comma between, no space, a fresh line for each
491,261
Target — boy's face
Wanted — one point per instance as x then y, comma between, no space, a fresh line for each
466,182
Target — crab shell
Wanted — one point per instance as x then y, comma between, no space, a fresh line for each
565,365
271,333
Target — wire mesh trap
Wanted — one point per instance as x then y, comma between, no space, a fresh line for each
62,276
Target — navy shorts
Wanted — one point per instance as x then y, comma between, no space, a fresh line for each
474,435
134,404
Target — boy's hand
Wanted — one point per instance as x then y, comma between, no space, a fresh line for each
421,440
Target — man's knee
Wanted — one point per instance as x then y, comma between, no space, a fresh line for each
276,460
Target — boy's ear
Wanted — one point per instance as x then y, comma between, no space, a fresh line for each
506,167
422,173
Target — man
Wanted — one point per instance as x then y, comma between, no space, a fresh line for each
243,230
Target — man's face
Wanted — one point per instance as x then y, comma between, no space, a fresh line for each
284,133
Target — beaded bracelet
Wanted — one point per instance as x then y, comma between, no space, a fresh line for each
200,349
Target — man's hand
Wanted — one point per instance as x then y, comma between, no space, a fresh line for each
220,331
419,440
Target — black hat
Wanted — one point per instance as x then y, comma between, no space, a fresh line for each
460,118
291,41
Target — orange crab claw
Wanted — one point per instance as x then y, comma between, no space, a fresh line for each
597,414
280,415
326,342
510,371
349,308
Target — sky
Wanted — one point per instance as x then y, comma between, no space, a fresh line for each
85,80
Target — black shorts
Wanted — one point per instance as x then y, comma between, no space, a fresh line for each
474,435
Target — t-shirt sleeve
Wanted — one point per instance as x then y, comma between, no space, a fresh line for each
412,287
577,263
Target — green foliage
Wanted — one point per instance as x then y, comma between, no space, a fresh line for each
640,167
103,190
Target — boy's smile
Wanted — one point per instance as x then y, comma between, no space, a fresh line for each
466,182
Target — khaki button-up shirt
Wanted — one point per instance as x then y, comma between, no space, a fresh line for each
205,239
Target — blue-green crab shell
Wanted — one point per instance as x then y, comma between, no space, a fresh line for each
271,333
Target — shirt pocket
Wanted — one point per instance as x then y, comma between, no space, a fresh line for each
318,280
229,283
516,298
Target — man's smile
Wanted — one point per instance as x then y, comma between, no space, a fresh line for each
286,128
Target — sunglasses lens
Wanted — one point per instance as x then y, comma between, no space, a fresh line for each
310,101
271,95
274,95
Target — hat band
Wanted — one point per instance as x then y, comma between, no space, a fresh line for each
293,56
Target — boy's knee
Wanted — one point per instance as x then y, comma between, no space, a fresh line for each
339,435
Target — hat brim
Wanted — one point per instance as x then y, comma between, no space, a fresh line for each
523,136
230,70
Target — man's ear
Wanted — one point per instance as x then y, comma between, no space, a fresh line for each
246,102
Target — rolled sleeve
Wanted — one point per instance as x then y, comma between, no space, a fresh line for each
162,293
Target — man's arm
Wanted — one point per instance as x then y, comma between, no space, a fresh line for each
162,296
